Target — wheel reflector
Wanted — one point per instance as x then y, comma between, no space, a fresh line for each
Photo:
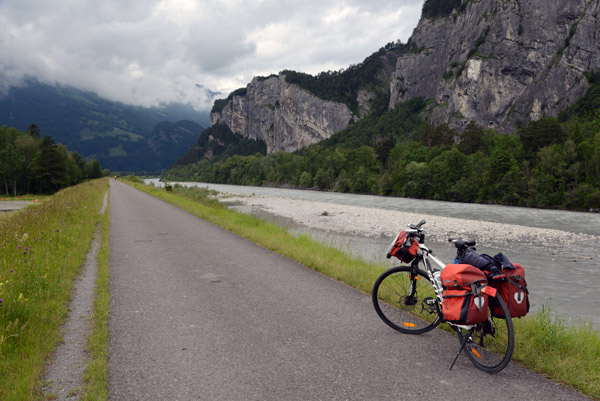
477,354
409,324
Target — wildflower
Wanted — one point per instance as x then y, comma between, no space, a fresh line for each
1,301
12,270
57,230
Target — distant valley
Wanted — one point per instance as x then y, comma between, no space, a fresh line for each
119,136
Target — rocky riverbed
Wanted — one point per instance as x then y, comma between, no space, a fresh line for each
562,268
371,222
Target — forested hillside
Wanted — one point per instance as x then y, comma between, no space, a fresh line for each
550,163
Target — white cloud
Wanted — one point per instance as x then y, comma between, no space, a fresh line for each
148,52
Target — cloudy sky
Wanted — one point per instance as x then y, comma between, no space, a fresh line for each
145,52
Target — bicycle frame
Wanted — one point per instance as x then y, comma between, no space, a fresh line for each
426,256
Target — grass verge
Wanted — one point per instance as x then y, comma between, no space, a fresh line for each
96,373
42,250
568,354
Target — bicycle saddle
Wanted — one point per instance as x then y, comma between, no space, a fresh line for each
462,243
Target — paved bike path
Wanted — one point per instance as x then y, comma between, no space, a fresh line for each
198,313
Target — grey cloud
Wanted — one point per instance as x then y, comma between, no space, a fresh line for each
155,51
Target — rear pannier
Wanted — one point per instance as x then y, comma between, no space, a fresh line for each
463,299
513,290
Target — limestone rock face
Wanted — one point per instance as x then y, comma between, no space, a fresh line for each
501,63
283,115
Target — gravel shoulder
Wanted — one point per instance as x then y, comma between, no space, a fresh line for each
64,373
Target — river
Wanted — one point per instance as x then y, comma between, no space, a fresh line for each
562,269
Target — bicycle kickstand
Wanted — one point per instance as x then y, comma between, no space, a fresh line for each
462,347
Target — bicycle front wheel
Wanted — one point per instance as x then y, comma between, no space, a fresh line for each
406,301
489,345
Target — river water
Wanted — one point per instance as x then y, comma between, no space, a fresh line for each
561,274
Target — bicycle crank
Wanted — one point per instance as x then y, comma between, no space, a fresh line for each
429,305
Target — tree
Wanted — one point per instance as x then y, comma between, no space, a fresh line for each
343,183
322,180
361,181
34,131
306,180
445,171
434,136
50,167
383,149
471,139
541,133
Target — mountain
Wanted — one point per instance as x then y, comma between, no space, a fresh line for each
218,143
500,64
489,101
120,137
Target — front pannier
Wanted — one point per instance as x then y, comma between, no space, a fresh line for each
404,248
463,301
513,290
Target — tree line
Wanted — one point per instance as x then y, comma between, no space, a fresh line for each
30,163
549,163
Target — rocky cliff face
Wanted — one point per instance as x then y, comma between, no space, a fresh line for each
501,63
283,115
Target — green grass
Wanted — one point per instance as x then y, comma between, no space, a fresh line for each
42,250
28,197
96,374
568,354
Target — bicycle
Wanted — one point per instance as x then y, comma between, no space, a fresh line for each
408,298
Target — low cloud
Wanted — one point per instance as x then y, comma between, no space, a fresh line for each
148,52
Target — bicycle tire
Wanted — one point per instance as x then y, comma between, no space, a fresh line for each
490,345
410,314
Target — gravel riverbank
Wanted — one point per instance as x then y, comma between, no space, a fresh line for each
370,222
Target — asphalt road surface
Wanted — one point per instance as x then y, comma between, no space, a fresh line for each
198,313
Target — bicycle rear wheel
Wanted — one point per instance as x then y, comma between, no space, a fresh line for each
489,345
406,301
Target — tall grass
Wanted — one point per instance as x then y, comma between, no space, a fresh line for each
569,354
42,249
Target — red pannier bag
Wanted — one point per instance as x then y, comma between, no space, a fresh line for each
404,248
463,298
513,290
